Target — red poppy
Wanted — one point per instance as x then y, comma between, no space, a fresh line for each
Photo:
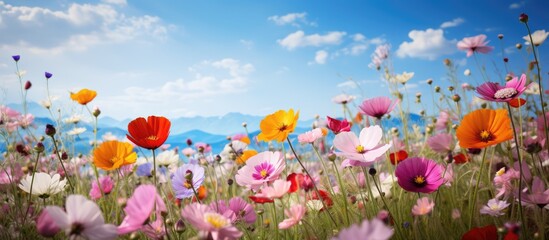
324,196
461,158
397,157
517,102
261,200
150,133
489,232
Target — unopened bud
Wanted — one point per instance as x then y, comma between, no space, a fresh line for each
39,147
230,182
28,85
451,88
244,124
523,18
437,89
96,112
189,176
505,59
189,142
429,81
500,36
447,62
180,226
64,156
456,98
332,157
518,46
50,130
372,171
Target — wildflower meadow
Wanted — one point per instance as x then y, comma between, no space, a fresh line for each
477,169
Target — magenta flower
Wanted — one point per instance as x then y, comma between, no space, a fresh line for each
365,148
419,174
186,178
265,167
474,44
210,223
373,229
338,126
295,214
45,225
377,107
491,91
243,210
140,207
82,219
423,206
106,183
441,143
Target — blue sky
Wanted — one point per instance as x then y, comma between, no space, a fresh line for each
208,58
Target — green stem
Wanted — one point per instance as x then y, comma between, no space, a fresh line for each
344,195
473,203
520,167
61,161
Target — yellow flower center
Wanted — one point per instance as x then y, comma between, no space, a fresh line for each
419,180
216,220
188,185
500,171
360,149
485,136
263,173
153,138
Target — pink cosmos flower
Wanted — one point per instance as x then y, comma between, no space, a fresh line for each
82,218
106,183
203,147
474,44
260,169
377,107
419,174
423,206
365,148
210,223
140,207
538,194
295,214
373,229
188,151
441,143
155,230
277,190
243,210
338,126
310,136
491,91
45,225
343,99
494,207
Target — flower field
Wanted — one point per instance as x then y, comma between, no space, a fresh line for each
476,170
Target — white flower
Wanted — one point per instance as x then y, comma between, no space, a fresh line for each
494,208
73,119
83,219
467,72
44,185
167,158
76,131
404,77
533,89
538,37
343,98
232,150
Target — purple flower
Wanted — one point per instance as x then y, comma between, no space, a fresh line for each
16,58
538,194
186,178
377,107
48,75
491,91
144,170
419,174
441,143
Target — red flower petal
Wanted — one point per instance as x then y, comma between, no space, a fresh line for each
398,156
517,102
489,232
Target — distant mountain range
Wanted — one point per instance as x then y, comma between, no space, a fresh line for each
211,130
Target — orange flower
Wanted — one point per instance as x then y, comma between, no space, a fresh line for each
483,128
84,96
278,126
241,160
113,154
150,133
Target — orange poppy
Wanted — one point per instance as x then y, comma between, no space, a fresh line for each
84,96
112,155
278,126
484,127
150,133
241,160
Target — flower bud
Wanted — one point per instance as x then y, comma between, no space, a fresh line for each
28,85
16,58
467,72
456,98
332,157
451,88
500,36
372,171
518,46
230,182
505,59
64,156
244,124
39,147
189,142
96,112
523,18
429,81
180,226
189,176
48,75
50,130
437,89
447,62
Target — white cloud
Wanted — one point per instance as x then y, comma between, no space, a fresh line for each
347,84
76,28
299,39
516,5
247,43
321,56
116,2
210,78
358,37
454,23
290,18
428,44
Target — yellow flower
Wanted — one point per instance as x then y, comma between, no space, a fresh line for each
84,96
278,126
112,155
